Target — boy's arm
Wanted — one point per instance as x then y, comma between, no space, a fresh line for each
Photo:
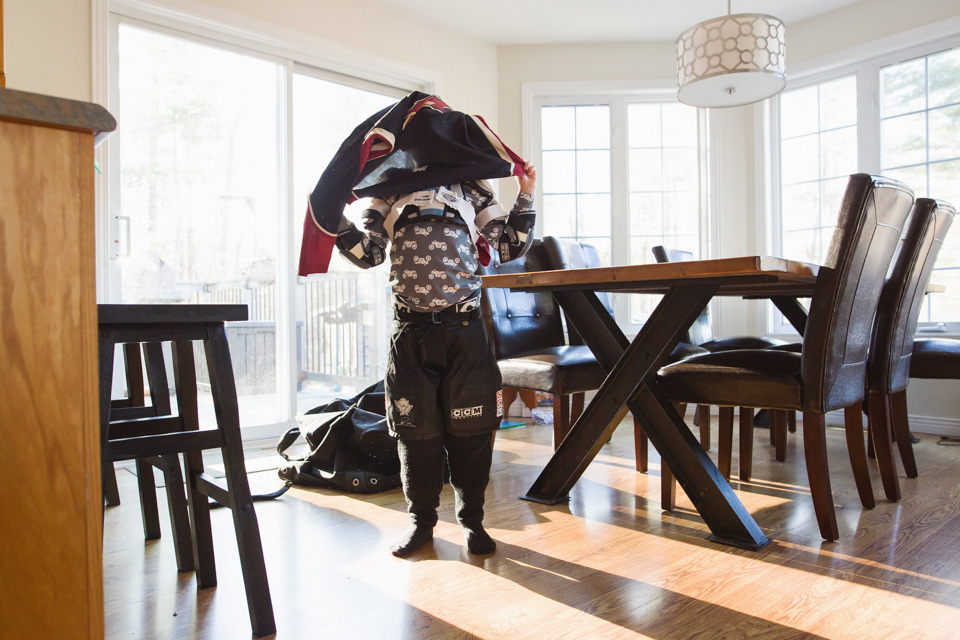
511,233
365,250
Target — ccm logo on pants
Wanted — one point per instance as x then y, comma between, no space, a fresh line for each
469,412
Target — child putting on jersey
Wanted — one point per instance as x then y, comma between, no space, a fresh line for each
443,387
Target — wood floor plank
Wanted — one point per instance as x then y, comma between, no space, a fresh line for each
609,563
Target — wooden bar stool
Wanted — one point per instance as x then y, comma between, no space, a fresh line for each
143,433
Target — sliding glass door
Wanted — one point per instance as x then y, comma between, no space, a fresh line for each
217,150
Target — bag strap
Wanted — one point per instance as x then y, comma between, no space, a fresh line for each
286,440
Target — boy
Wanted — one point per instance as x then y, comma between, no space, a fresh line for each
443,387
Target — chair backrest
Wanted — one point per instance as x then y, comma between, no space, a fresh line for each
519,321
902,295
840,324
700,331
567,253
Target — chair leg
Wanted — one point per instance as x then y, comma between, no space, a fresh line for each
641,446
561,419
878,422
252,563
529,398
818,473
746,443
703,415
853,426
725,441
668,487
577,401
509,396
778,430
901,428
792,421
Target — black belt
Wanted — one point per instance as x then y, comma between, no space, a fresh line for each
436,317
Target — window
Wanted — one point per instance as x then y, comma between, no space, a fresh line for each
897,115
818,143
920,145
219,146
622,192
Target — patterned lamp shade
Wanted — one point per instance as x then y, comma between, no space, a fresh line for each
730,61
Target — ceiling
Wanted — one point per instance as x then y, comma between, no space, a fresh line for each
562,21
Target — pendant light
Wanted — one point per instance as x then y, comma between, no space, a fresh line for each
731,60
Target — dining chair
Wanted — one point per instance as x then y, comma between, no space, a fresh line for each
569,253
527,337
138,433
830,371
895,357
700,334
889,364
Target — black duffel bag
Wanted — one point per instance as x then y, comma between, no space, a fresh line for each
350,447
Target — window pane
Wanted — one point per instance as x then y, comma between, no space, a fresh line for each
679,126
200,184
798,112
560,215
903,140
945,181
800,159
643,125
838,152
646,214
677,174
801,206
945,133
838,103
944,71
593,171
593,215
802,245
680,213
593,127
645,170
913,177
559,171
558,128
903,88
831,193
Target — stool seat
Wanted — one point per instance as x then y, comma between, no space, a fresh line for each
154,435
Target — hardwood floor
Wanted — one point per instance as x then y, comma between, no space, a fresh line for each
609,564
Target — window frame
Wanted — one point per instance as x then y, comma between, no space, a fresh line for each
865,63
617,95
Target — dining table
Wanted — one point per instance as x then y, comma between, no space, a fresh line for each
631,365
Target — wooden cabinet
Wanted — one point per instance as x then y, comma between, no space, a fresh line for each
51,570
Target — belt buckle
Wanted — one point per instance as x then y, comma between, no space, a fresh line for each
435,317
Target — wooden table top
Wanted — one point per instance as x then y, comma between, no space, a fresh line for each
742,276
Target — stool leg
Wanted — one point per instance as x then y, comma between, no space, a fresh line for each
225,405
108,476
185,379
179,513
148,500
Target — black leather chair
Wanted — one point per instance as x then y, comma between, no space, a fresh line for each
526,332
895,356
566,253
830,372
701,335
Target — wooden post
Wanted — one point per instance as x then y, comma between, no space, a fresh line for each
3,76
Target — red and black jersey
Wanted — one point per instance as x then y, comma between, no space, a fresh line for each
418,143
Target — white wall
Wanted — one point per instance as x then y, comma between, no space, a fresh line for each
49,48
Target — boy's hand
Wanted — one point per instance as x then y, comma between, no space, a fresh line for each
528,183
